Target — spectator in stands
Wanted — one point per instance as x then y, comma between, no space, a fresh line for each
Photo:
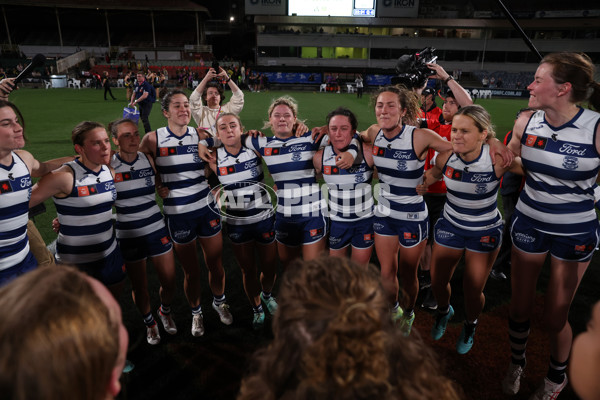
485,82
499,82
206,101
106,85
334,340
62,337
144,95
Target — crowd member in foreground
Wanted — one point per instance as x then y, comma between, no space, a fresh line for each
333,338
584,366
249,214
83,191
141,231
470,223
350,194
206,101
559,147
61,337
189,209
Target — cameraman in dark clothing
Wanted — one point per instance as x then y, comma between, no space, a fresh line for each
144,95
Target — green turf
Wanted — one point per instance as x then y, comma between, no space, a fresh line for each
50,115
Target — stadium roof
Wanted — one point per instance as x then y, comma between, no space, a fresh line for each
157,5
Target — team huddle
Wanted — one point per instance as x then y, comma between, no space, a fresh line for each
556,146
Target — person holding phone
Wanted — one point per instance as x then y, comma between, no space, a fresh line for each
206,101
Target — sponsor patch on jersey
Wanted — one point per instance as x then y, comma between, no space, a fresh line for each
410,235
536,142
122,177
378,151
83,191
5,187
270,151
226,170
167,151
214,223
164,240
453,174
367,237
330,170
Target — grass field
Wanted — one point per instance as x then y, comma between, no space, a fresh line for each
50,115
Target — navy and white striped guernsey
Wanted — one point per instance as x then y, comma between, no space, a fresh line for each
15,191
350,192
290,164
246,200
137,212
472,192
86,226
400,171
562,164
182,171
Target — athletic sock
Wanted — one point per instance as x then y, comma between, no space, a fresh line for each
444,311
557,370
165,309
258,310
197,310
409,312
266,295
149,319
518,333
396,307
218,300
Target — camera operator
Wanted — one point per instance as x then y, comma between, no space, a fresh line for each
206,101
428,106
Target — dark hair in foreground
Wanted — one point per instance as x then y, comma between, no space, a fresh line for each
57,339
346,113
334,339
113,126
82,128
167,97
